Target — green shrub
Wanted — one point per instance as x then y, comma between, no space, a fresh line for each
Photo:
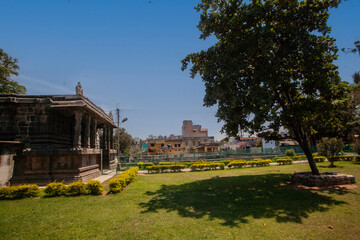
252,163
166,163
19,192
290,152
207,166
117,185
237,164
153,169
188,164
177,168
121,181
299,157
55,189
163,168
260,162
319,159
226,162
330,147
76,189
284,161
142,165
346,158
94,187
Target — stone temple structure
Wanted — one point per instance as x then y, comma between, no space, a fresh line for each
57,137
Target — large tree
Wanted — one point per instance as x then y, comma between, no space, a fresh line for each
272,66
9,67
125,140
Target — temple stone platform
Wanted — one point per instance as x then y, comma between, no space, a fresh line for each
59,137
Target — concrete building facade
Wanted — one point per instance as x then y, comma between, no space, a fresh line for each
193,139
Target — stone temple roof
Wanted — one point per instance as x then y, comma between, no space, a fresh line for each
77,101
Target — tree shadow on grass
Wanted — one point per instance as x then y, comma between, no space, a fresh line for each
331,168
234,199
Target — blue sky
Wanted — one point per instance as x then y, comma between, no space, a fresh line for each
127,53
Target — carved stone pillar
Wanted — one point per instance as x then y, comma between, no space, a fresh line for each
87,132
103,140
108,138
93,137
77,130
111,138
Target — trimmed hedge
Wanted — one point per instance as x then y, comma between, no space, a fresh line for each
319,159
163,168
76,189
207,166
252,163
347,158
284,161
298,157
19,192
226,162
121,181
167,163
94,187
237,164
142,165
55,189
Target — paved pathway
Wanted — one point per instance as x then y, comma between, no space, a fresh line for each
103,178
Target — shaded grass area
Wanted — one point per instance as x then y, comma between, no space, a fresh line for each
251,203
234,199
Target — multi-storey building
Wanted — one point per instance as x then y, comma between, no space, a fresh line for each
193,139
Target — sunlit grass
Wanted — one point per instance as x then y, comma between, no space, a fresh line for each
252,203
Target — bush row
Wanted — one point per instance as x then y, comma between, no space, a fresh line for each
297,157
347,158
252,163
54,189
122,180
92,187
142,165
319,159
164,168
19,192
284,161
207,166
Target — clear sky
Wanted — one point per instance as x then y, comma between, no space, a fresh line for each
127,53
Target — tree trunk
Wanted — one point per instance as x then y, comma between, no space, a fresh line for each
306,149
331,159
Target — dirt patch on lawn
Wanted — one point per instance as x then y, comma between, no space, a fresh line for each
327,188
105,192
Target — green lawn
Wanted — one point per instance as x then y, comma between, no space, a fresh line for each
253,203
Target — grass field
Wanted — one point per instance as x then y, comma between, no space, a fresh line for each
252,203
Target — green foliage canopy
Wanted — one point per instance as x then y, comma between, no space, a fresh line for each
9,67
125,140
272,66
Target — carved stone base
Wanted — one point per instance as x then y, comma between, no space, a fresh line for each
42,167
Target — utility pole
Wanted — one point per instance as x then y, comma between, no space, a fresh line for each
118,132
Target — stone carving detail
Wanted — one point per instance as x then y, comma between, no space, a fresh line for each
111,116
79,89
